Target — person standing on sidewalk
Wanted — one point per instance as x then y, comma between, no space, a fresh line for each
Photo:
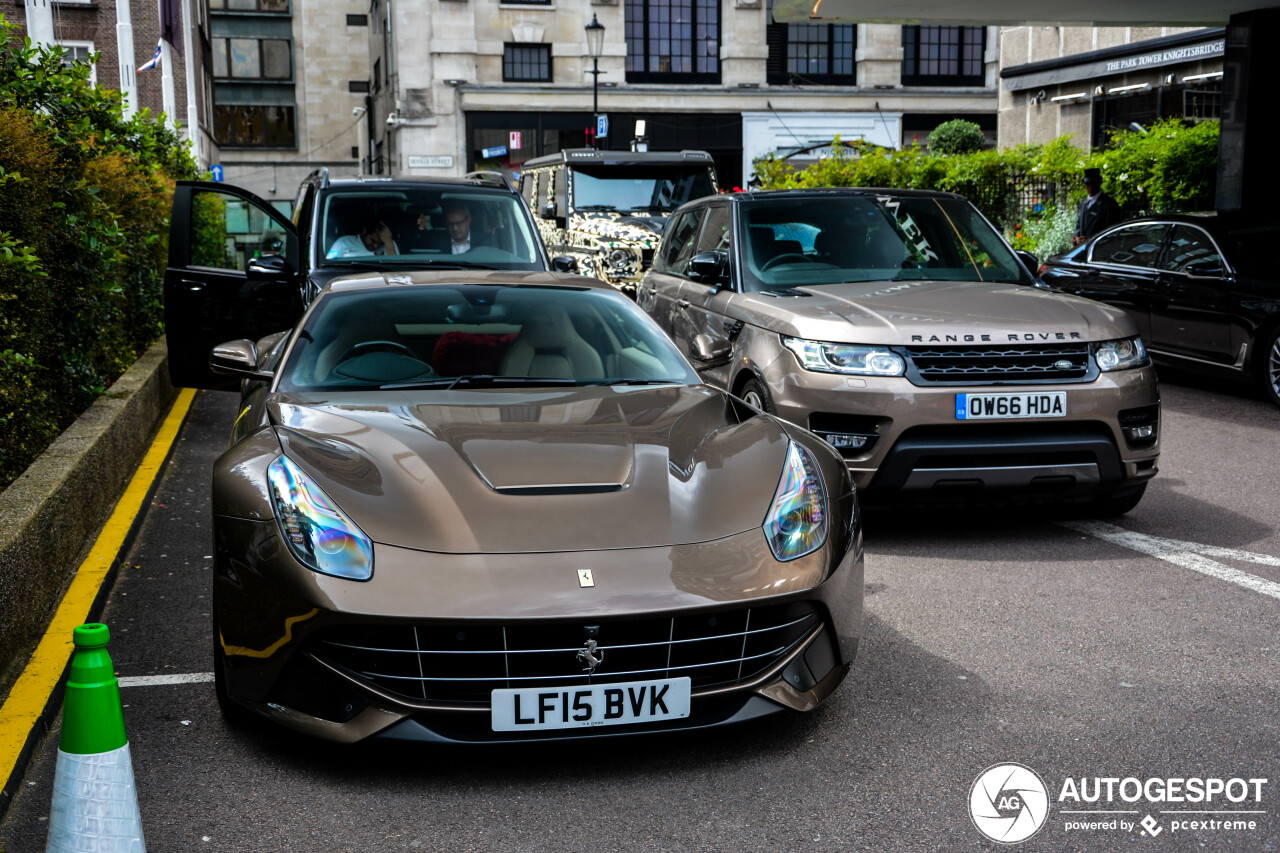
1097,212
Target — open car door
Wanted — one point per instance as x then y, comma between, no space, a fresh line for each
234,272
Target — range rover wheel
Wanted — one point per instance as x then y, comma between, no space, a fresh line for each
754,394
1271,367
1115,503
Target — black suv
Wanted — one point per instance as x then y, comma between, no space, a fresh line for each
235,257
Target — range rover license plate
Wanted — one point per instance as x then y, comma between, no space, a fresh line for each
538,708
1050,404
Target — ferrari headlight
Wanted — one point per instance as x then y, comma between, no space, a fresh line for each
318,533
846,358
797,521
1120,355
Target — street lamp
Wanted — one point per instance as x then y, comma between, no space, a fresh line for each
595,45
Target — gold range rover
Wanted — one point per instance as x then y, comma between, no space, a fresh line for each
903,329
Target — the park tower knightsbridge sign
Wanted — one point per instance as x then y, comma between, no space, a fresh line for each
1171,56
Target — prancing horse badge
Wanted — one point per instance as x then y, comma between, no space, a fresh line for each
585,579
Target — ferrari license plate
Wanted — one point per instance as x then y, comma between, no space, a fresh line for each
1030,404
539,708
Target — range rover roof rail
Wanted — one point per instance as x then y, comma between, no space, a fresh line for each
491,175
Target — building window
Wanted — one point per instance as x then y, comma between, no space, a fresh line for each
943,56
377,74
252,59
357,20
811,53
361,86
79,51
254,126
249,5
673,41
526,62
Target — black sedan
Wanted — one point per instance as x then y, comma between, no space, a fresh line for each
1203,289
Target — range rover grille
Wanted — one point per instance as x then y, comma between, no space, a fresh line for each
461,664
1020,364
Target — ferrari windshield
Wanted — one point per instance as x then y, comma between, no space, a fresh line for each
427,227
469,336
839,238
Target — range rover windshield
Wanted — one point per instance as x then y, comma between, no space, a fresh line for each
454,227
790,242
657,188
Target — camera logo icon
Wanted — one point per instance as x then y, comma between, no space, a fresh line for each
1008,803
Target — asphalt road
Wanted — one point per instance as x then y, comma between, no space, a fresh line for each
1107,651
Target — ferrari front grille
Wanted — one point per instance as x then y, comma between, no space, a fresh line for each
463,663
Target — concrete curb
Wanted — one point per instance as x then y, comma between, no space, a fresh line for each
50,513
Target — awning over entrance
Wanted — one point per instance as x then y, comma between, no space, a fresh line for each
1102,13
1139,56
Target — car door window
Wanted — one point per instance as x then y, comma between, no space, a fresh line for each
228,231
717,233
1132,246
680,240
1191,245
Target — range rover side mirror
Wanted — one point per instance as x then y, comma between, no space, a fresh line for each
268,267
564,263
709,267
548,211
709,352
238,358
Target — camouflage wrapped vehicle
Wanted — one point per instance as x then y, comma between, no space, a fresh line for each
607,209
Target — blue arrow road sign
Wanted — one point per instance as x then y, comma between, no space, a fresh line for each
217,173
602,125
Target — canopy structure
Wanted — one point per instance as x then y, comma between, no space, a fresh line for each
1101,13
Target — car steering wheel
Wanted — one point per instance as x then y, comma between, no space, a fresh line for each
788,257
376,346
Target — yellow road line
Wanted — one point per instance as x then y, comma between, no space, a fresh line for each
30,695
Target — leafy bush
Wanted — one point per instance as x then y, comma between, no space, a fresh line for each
1031,191
84,205
957,137
1169,167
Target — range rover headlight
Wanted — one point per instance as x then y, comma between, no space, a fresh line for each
846,358
797,521
620,259
317,532
1120,355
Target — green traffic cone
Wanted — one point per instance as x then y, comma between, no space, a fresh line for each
95,803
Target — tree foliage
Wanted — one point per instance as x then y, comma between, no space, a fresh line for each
957,137
1031,191
84,206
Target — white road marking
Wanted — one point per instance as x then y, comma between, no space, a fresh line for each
156,680
1188,555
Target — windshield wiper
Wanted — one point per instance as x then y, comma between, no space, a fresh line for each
633,382
595,207
654,208
477,379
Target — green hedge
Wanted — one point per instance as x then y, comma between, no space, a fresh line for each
84,207
1031,191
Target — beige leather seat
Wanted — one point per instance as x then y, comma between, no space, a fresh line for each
548,346
373,324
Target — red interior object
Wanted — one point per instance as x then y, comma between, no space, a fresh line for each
468,353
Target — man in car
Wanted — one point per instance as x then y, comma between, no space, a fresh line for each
374,239
1097,212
